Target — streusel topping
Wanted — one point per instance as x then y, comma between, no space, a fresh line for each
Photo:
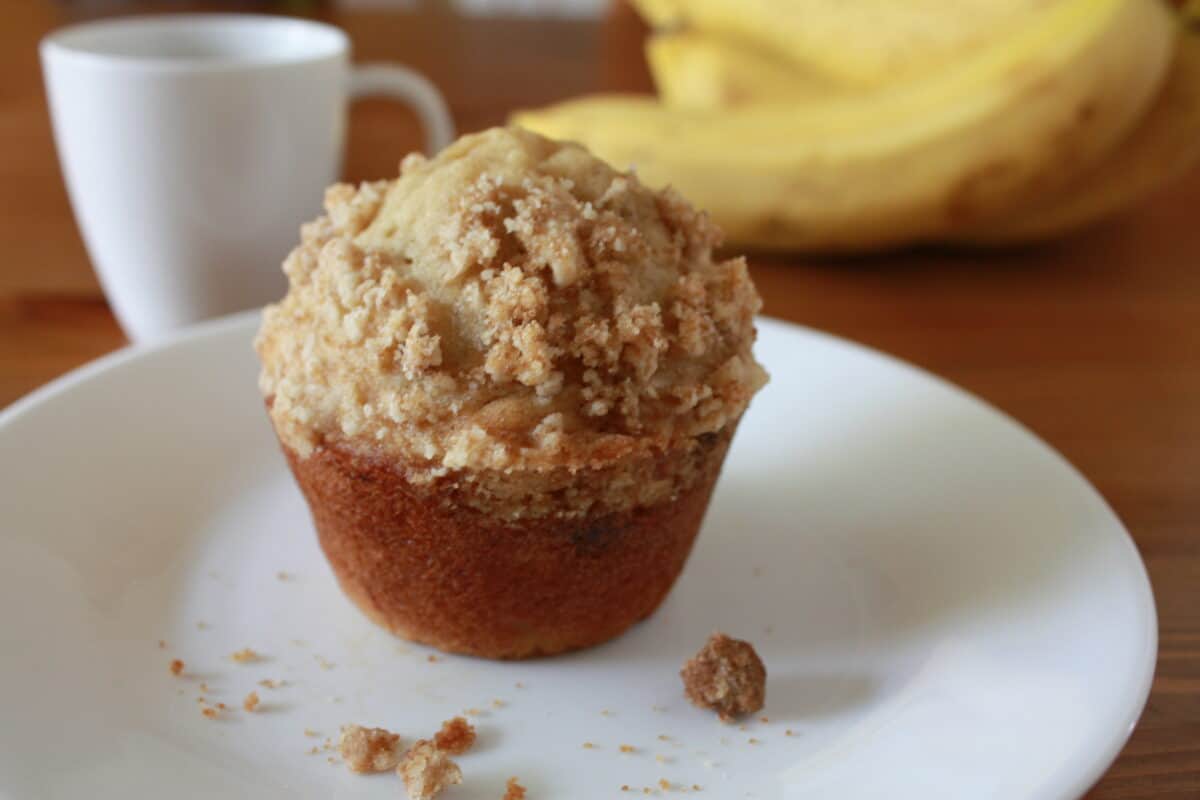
513,303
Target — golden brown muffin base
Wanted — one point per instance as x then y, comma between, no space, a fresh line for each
436,571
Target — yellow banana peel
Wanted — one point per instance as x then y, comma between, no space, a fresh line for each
917,159
702,71
864,42
1164,145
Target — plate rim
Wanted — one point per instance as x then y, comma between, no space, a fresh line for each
1147,660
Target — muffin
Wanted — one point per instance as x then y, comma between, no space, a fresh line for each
505,383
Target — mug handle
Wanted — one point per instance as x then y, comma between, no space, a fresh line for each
402,83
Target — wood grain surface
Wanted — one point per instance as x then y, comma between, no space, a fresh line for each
1093,342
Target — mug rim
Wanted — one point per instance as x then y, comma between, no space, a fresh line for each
69,41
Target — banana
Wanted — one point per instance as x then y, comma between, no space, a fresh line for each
701,71
863,42
910,161
1164,145
661,13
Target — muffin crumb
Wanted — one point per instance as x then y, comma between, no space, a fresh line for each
245,656
727,676
456,736
513,790
250,703
628,748
176,667
208,712
369,749
426,771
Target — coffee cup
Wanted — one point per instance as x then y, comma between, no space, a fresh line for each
194,145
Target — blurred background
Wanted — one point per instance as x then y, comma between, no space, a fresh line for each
1091,336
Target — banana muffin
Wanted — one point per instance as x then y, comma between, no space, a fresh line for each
505,383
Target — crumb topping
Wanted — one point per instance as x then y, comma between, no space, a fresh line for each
369,749
726,676
456,736
426,771
514,303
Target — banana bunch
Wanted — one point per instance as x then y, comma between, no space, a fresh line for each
827,125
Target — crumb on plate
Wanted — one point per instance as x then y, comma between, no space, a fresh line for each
176,667
368,749
250,703
456,736
727,676
426,771
513,790
245,656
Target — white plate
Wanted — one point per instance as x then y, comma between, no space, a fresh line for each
945,607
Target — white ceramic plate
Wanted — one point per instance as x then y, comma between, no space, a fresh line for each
945,607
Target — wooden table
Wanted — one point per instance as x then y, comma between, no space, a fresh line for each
1094,343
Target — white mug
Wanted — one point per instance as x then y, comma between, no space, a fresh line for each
194,145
